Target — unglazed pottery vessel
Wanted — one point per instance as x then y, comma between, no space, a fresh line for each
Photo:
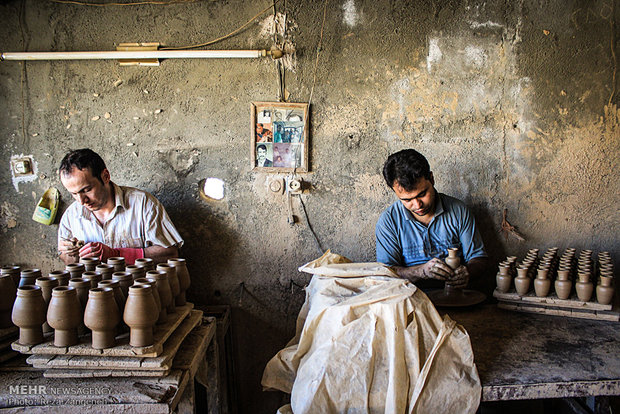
145,262
119,297
102,316
563,286
584,287
184,279
106,271
136,272
153,284
503,279
29,277
605,290
90,263
75,269
542,283
64,314
62,276
8,291
453,260
47,284
140,315
13,271
175,288
118,263
29,314
522,281
93,277
124,279
163,287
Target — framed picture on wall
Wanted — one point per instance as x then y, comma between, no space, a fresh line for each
279,137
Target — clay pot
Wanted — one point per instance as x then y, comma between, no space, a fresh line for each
81,287
75,269
118,263
503,282
8,291
163,287
13,271
29,277
542,283
145,262
605,290
102,316
452,260
152,283
584,287
563,285
140,315
93,277
47,284
522,282
171,271
119,297
184,279
29,314
62,276
90,263
124,279
136,272
64,314
106,271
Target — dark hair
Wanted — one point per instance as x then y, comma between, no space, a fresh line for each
81,159
263,146
406,167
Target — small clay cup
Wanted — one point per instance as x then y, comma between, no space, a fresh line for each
145,262
163,287
29,314
124,279
75,269
90,263
184,279
136,272
93,277
8,292
106,271
118,263
64,314
62,276
13,271
101,317
140,315
29,277
175,288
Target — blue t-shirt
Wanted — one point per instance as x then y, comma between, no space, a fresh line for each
403,241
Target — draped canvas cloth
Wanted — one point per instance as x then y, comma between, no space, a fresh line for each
372,344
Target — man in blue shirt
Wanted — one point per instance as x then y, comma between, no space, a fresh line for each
414,233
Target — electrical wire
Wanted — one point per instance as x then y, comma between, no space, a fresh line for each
234,32
137,3
316,238
318,50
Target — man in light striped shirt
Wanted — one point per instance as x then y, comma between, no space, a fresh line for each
107,220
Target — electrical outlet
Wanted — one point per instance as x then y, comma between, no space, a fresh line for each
21,166
293,186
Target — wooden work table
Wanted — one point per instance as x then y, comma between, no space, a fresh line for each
526,356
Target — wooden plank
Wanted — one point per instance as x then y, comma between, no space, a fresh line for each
559,311
550,390
100,373
199,338
552,300
155,408
160,363
161,334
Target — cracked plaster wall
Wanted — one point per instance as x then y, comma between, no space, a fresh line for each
510,101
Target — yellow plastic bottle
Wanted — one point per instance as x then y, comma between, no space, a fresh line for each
45,211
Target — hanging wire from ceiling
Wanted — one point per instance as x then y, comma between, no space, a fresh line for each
318,50
280,73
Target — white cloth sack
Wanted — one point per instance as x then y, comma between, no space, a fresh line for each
373,344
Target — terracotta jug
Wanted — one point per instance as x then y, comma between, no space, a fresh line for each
504,278
542,283
175,288
93,277
75,269
102,316
8,292
563,285
145,262
140,315
118,263
29,314
163,287
119,297
584,287
605,290
62,276
522,281
153,284
184,280
106,271
124,279
136,272
47,284
64,314
13,271
453,260
90,263
29,277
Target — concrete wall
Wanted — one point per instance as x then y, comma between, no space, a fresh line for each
513,103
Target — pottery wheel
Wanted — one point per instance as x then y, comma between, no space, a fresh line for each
456,297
